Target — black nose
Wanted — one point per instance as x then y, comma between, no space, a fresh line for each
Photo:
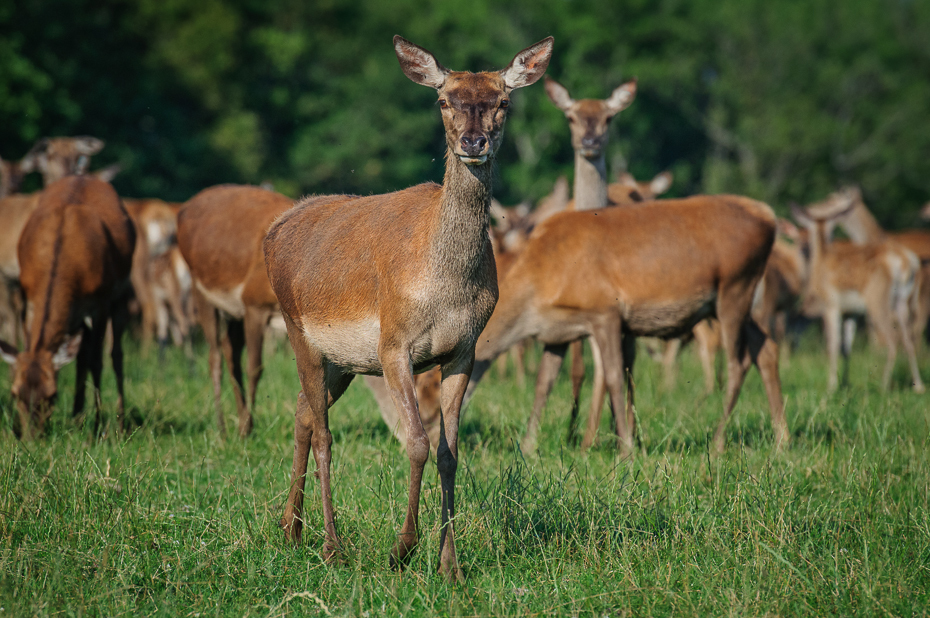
589,142
474,146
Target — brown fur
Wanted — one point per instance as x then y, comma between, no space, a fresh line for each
220,234
76,253
395,284
653,270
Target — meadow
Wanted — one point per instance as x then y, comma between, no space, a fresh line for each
174,520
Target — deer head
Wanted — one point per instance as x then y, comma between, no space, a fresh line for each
661,183
57,157
35,380
474,105
589,119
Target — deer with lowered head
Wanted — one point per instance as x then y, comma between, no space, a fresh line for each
75,254
654,269
220,234
394,284
877,279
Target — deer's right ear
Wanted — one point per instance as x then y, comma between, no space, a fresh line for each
529,65
661,183
8,352
621,97
87,145
558,94
67,352
419,64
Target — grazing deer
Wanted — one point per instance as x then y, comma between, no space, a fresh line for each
655,269
394,284
75,253
220,234
877,279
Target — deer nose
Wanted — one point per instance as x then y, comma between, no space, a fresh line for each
474,146
589,142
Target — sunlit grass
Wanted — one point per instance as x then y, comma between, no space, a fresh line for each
173,520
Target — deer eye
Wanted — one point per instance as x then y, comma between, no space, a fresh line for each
505,104
443,104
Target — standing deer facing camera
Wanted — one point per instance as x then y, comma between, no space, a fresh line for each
395,284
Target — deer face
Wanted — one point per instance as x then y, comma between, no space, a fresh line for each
647,190
58,157
474,105
589,119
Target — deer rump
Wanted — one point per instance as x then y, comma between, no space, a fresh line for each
662,263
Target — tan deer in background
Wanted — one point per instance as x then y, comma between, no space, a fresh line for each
876,279
394,284
220,234
655,269
76,254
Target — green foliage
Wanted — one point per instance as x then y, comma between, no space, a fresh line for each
778,100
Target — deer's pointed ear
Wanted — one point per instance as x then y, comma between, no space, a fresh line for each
419,64
626,179
8,352
67,352
558,94
800,215
87,145
661,183
621,97
529,65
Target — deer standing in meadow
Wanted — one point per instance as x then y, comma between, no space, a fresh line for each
76,253
394,284
878,279
220,234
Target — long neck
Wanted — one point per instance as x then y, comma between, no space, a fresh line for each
590,182
861,225
461,237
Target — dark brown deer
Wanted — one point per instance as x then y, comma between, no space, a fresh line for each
655,269
76,253
220,234
394,284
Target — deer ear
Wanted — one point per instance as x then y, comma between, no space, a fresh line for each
419,64
621,97
87,145
8,352
800,215
529,65
558,94
626,179
661,183
67,352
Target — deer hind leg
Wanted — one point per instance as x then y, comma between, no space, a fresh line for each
254,324
606,337
576,348
903,316
705,337
80,380
232,344
765,355
119,318
599,387
628,347
670,363
208,318
733,306
832,326
399,376
549,366
95,362
455,376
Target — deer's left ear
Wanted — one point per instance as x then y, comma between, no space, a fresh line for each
67,352
419,64
621,97
661,183
528,65
558,94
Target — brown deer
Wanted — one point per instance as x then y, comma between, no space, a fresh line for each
56,157
394,284
655,269
11,177
862,227
76,254
220,234
878,279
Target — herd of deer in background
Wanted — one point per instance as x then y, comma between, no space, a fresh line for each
390,285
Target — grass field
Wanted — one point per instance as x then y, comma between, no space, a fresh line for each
175,521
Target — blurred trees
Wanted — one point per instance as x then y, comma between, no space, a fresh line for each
778,100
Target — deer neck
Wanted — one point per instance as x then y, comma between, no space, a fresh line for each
862,226
590,182
461,238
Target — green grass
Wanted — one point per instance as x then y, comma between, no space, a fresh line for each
175,521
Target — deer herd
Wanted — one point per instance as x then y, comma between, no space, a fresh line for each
420,290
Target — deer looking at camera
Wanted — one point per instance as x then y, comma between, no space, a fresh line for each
76,254
394,284
878,279
220,234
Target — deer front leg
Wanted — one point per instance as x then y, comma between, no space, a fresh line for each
454,382
399,377
832,325
549,365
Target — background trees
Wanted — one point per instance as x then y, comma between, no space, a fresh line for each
778,100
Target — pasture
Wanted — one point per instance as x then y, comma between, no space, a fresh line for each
175,521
